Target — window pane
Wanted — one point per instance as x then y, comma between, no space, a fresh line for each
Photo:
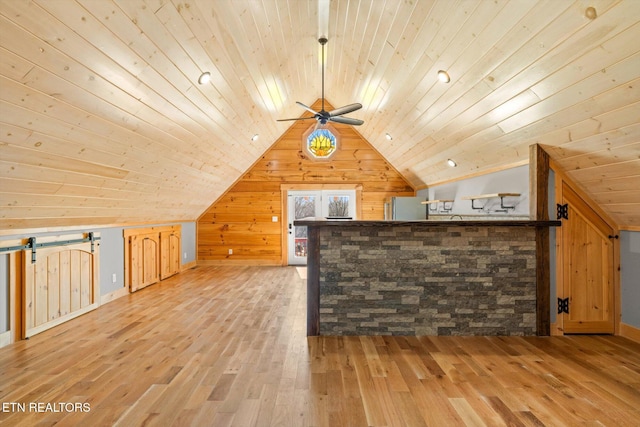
339,206
305,206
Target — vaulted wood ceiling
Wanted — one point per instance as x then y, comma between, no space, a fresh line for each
103,121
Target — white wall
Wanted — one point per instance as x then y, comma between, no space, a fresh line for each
515,180
630,277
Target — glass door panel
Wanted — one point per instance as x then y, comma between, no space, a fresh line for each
301,205
310,204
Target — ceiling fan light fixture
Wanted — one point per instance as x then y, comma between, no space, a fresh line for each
452,163
334,116
389,137
204,78
443,76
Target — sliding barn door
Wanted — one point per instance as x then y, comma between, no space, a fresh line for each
60,285
587,252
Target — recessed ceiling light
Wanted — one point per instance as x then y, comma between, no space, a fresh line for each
443,76
389,137
452,163
204,78
255,137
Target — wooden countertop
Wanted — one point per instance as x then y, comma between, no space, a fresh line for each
426,223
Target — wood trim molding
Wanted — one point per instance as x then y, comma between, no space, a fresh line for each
15,296
556,330
5,339
238,262
188,265
538,183
78,228
539,211
284,212
630,332
112,296
576,188
148,230
474,175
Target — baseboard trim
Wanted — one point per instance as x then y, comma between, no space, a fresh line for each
249,262
5,339
556,330
188,265
104,299
630,332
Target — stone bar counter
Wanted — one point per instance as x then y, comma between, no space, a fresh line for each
427,277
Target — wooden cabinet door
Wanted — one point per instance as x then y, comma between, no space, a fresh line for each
587,268
169,254
144,250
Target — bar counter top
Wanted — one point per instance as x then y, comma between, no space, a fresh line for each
320,222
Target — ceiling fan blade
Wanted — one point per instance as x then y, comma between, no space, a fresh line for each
309,109
345,110
346,120
298,118
332,116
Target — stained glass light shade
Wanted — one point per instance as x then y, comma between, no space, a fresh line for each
321,143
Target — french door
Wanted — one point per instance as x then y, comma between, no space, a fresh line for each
314,204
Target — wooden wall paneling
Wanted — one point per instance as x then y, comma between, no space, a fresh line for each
108,89
241,219
228,89
62,284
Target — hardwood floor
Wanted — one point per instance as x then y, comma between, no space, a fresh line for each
219,346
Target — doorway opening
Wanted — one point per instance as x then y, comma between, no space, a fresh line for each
336,204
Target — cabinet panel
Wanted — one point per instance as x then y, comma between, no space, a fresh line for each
170,253
144,261
152,254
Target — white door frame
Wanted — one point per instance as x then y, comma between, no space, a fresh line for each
285,188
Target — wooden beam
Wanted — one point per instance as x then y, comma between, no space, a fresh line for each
539,210
538,183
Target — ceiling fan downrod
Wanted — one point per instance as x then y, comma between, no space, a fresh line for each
324,116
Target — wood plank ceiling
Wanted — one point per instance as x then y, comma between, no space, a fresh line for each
103,121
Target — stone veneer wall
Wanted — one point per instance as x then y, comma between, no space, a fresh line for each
409,280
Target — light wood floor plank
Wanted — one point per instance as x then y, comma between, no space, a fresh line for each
226,346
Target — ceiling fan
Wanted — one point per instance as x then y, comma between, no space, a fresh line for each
323,116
